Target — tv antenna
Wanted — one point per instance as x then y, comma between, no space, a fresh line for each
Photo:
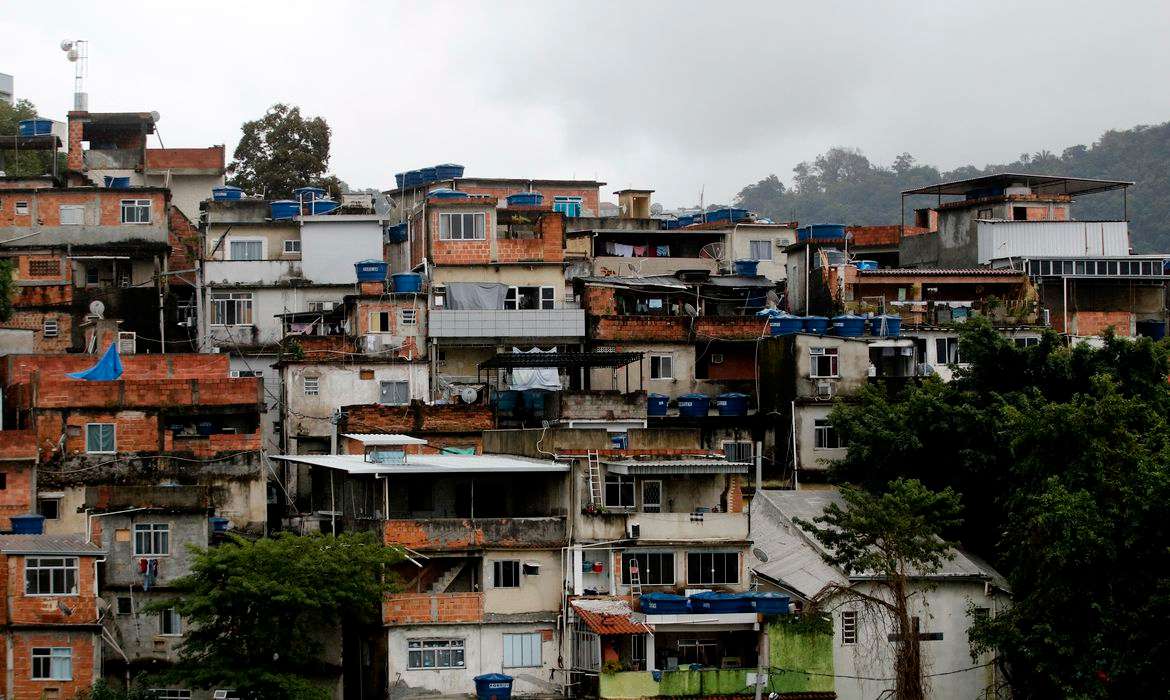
77,51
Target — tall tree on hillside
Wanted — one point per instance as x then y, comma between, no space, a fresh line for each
891,537
282,151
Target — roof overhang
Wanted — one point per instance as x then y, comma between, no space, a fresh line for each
1040,184
377,439
679,466
430,464
569,360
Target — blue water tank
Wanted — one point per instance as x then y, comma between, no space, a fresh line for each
867,265
508,400
687,220
225,193
285,208
446,171
525,199
218,524
766,603
886,325
849,326
1152,329
786,324
28,524
815,324
34,127
619,441
370,270
446,193
727,214
663,604
309,192
412,178
732,404
428,174
534,399
399,179
694,405
320,206
397,233
713,602
746,267
493,686
656,404
821,232
407,282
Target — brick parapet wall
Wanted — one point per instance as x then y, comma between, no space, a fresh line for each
437,608
676,328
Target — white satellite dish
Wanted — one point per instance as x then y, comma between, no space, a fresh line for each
691,311
469,395
155,116
72,54
66,44
97,308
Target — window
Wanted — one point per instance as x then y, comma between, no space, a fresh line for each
738,451
408,317
170,693
654,568
983,214
3,480
136,211
49,328
434,653
20,209
704,652
312,386
1019,213
292,247
246,250
1026,342
125,605
92,274
946,351
52,663
822,362
619,491
760,250
231,308
522,650
170,623
530,298
99,438
379,321
825,436
44,268
322,305
462,227
712,568
506,574
152,539
50,508
50,576
394,393
849,627
72,214
662,366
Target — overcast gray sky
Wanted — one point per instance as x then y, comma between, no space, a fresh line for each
671,96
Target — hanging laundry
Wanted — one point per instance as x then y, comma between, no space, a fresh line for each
663,251
611,248
623,250
640,251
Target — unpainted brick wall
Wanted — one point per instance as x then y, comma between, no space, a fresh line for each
419,608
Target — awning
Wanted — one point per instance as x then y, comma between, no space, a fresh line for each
1040,184
679,466
378,439
431,464
611,616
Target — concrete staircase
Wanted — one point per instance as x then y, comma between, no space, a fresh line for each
440,585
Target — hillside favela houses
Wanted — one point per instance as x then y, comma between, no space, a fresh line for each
588,424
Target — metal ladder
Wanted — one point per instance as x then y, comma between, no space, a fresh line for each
595,494
635,578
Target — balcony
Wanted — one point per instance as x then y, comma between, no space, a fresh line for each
252,272
545,323
690,526
430,534
429,608
605,265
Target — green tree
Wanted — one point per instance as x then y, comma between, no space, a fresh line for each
14,162
895,535
282,151
259,610
5,289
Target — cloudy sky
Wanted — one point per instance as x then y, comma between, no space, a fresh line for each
674,96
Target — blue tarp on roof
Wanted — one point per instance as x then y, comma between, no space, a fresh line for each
107,369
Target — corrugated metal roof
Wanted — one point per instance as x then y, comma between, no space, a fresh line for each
939,272
664,281
47,544
430,464
679,466
1040,184
740,281
611,616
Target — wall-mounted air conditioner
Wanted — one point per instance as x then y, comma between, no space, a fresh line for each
633,530
127,342
825,388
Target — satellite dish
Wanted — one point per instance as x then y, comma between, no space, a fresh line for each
66,44
155,116
691,311
71,54
97,308
469,395
760,554
773,299
712,251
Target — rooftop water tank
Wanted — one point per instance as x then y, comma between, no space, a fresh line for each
849,326
225,193
428,174
399,179
407,282
656,404
34,127
886,325
117,183
821,232
746,267
663,604
28,524
447,171
397,233
309,192
412,178
694,405
732,404
320,206
525,199
815,324
370,270
285,208
867,265
446,193
786,324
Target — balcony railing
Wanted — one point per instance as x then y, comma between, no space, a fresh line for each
544,323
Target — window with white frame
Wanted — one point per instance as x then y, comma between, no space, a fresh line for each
49,328
848,626
170,693
292,247
100,438
72,214
136,211
825,436
408,317
662,366
52,664
434,653
530,298
760,250
246,250
312,385
152,539
379,322
946,351
506,574
654,568
49,507
20,209
712,568
50,576
170,623
823,362
522,650
231,308
619,491
462,227
394,393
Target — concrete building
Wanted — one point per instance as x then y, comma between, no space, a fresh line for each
7,89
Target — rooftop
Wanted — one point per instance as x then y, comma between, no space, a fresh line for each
1040,184
47,544
611,616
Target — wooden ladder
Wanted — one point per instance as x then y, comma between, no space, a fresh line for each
595,487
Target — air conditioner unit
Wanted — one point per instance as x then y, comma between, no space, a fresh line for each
127,342
716,358
825,388
633,530
246,373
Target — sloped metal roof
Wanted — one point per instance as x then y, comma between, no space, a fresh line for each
1040,184
47,544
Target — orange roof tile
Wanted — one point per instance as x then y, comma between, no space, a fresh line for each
611,616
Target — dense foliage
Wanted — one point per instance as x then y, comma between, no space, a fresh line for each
1062,458
843,186
259,613
282,151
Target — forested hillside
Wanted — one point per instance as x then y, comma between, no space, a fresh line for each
843,186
